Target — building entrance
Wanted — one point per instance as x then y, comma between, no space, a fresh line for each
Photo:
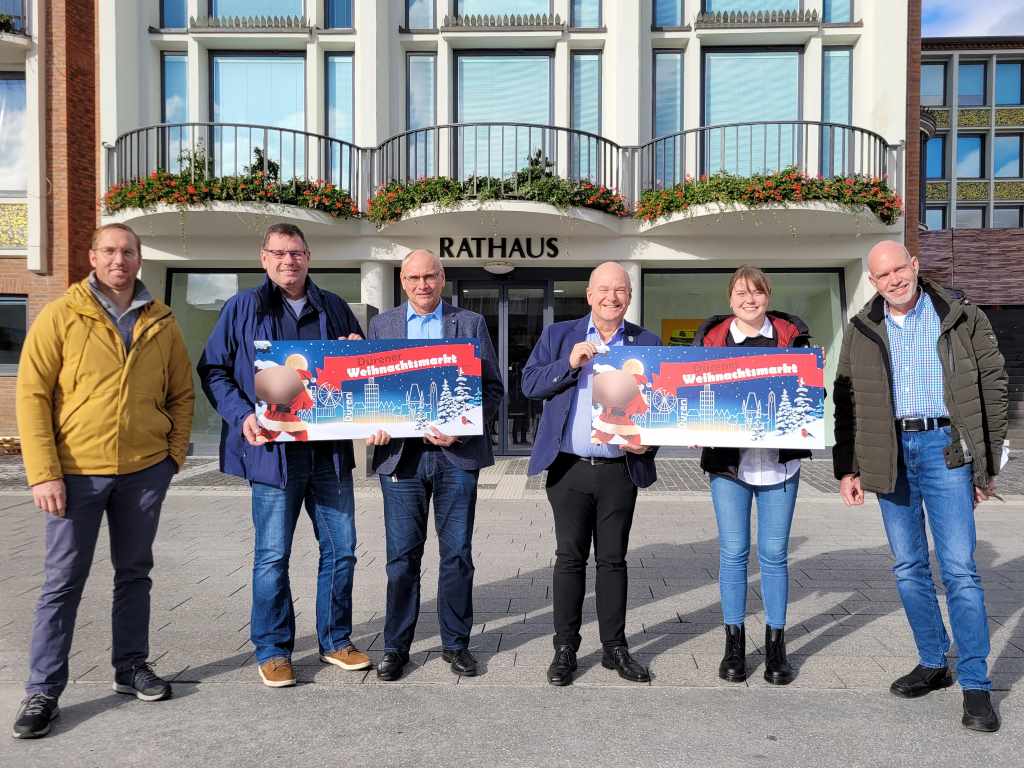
517,307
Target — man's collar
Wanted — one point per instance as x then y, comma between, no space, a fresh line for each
592,328
140,295
739,336
914,310
411,312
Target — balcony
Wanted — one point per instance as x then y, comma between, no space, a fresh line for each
534,177
14,31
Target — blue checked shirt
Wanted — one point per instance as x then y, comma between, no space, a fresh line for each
917,380
580,423
424,326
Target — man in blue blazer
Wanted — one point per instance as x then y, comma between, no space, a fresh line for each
445,467
592,488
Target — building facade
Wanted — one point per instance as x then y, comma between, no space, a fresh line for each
972,205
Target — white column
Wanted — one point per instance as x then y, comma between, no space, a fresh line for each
635,311
35,138
377,285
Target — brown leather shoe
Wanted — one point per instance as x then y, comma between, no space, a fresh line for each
277,673
350,658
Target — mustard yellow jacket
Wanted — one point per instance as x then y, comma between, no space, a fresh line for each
85,406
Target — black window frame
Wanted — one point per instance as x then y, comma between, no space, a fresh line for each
14,299
1020,154
852,20
1019,63
327,17
163,15
984,82
600,18
408,27
943,210
655,26
982,160
938,138
980,208
945,83
1020,215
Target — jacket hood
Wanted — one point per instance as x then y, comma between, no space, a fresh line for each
80,299
787,327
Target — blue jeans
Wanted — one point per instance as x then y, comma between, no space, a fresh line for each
420,475
948,497
775,504
331,508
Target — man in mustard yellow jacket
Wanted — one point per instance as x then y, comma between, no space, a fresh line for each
104,406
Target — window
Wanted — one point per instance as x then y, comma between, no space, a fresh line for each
502,88
714,6
933,85
340,117
13,167
935,158
970,156
495,7
421,112
668,13
1008,154
751,87
669,156
586,14
339,14
970,218
419,14
13,323
971,91
838,144
586,114
838,12
258,90
173,14
174,110
1009,83
1008,217
250,8
935,217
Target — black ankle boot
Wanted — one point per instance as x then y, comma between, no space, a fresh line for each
776,667
734,663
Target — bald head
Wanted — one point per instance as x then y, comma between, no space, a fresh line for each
423,280
423,253
608,294
893,273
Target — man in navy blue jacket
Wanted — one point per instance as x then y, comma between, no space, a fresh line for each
592,487
284,474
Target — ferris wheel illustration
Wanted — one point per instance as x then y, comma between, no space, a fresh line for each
327,397
663,406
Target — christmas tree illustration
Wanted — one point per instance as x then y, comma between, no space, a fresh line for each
784,416
463,397
803,407
447,407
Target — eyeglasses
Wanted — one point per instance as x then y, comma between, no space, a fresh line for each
125,252
906,271
286,254
430,278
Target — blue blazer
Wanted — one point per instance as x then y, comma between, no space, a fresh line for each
548,377
457,323
226,371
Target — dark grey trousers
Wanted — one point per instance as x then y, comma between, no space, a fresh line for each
132,503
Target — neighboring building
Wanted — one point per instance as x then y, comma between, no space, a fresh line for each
48,161
972,101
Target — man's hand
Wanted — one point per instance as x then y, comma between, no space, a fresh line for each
850,490
436,437
351,337
251,431
582,354
380,437
986,493
637,449
50,497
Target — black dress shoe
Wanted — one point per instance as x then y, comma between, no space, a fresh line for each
777,670
978,712
734,663
562,666
920,681
391,666
463,662
619,659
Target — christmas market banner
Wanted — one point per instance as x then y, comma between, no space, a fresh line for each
723,397
340,390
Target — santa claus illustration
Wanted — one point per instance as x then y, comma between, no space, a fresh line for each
619,392
283,389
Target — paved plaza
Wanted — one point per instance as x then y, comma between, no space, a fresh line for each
846,633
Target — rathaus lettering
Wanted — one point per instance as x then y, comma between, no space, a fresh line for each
499,247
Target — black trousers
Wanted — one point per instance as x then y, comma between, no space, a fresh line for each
590,501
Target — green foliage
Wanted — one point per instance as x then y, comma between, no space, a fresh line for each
786,186
7,23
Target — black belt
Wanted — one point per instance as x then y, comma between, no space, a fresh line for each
595,460
922,424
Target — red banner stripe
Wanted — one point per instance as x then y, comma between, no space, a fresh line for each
337,370
674,376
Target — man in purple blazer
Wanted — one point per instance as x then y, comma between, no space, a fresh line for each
592,487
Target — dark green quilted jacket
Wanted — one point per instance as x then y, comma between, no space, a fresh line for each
975,386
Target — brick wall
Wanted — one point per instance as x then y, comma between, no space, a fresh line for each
912,159
72,161
986,264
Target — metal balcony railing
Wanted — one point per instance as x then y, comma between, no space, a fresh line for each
13,16
483,153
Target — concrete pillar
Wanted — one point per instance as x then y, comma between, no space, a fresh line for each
635,311
377,284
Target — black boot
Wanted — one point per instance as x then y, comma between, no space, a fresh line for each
734,663
776,667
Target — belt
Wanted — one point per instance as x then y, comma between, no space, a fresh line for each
922,424
595,460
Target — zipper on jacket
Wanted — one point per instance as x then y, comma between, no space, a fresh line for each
888,389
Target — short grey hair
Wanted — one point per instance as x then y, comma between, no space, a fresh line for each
434,256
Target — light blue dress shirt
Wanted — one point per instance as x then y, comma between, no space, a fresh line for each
917,380
424,326
580,423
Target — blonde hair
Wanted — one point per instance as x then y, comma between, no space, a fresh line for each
120,227
753,277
